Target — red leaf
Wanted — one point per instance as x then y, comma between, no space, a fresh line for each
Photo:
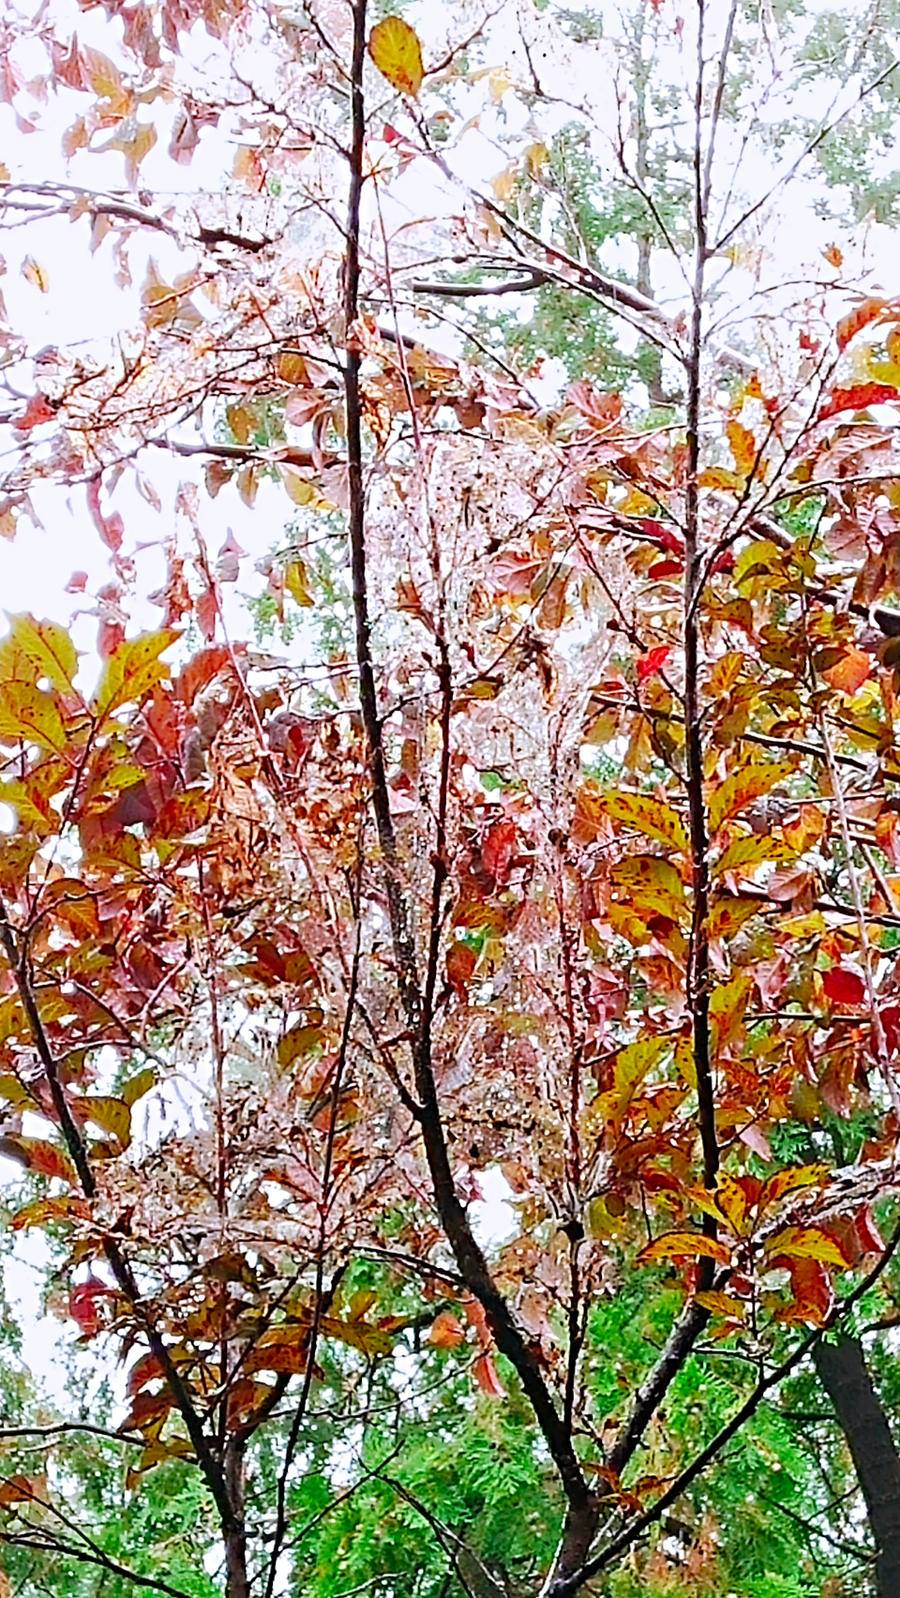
36,413
857,398
144,1370
651,664
890,1021
111,528
868,1236
485,1373
200,670
207,608
662,534
77,583
843,986
83,1305
461,961
498,848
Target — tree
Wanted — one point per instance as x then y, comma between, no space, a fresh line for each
578,869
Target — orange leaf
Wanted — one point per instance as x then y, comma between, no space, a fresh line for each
743,446
850,672
867,311
446,1331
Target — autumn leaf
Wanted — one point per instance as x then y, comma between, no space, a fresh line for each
110,1114
84,1305
20,1489
806,1242
644,813
813,1298
131,670
850,672
791,1180
843,985
651,664
296,581
39,1155
395,49
29,715
48,647
35,274
684,1246
743,447
858,398
498,849
650,884
485,1373
743,787
863,315
446,1331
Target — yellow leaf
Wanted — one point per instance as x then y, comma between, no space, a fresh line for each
395,49
240,421
111,1115
762,558
296,581
685,1064
35,274
720,477
300,489
722,1304
647,815
106,81
732,1202
536,158
138,1085
743,788
727,1008
650,884
631,1065
357,1333
790,1181
505,182
48,647
728,915
29,715
725,673
132,669
743,446
291,367
808,1243
685,1245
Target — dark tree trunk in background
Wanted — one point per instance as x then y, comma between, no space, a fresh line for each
842,1370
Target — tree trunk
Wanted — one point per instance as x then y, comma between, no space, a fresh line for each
843,1373
234,1534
